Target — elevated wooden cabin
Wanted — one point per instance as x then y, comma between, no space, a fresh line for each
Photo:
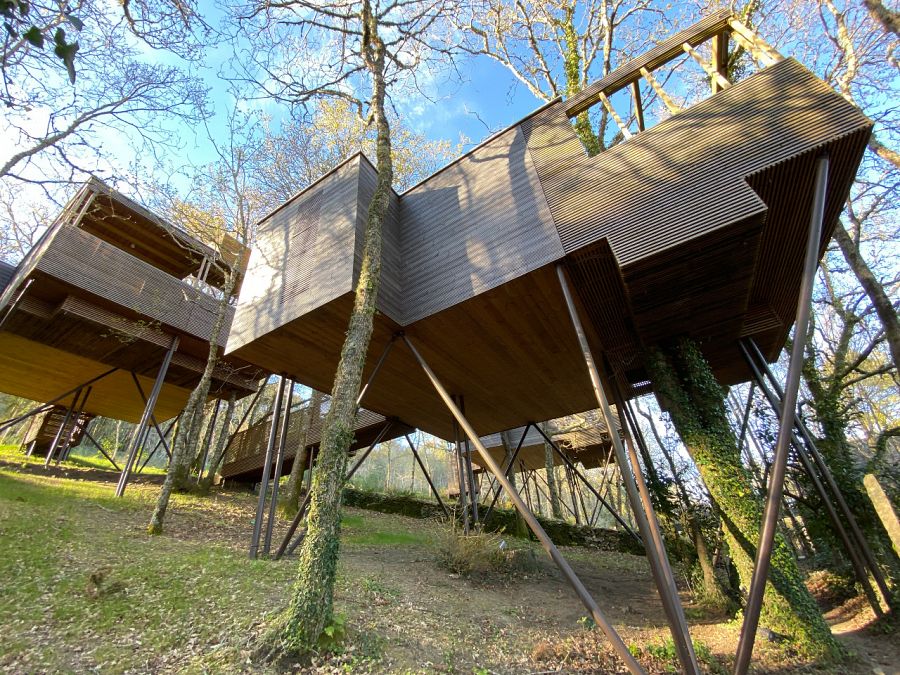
695,226
585,440
109,285
246,457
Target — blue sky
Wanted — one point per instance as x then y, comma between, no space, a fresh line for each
485,99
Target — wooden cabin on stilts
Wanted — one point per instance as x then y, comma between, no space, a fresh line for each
110,314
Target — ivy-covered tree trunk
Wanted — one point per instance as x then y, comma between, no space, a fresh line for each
187,434
291,500
312,596
686,388
831,412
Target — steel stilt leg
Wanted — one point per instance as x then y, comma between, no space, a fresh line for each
786,424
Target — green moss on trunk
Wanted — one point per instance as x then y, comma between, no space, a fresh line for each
312,595
687,389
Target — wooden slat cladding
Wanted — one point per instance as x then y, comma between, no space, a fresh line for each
596,274
687,175
88,263
474,226
311,237
7,272
776,283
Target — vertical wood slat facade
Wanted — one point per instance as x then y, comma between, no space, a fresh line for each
689,227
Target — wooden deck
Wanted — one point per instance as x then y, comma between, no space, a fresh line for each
585,443
109,285
695,226
247,456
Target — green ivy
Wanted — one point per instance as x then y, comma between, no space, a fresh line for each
687,389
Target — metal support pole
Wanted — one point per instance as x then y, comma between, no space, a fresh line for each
570,466
535,475
506,472
137,384
138,438
810,444
425,473
470,473
62,427
564,567
786,424
301,512
264,480
44,407
375,371
639,497
160,442
67,446
856,561
460,474
746,418
100,448
279,461
381,434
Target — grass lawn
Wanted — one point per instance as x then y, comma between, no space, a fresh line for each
81,457
84,588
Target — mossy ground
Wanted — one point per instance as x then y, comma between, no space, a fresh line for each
84,588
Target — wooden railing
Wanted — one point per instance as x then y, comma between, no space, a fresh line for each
717,29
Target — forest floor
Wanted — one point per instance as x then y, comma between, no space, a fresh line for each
83,588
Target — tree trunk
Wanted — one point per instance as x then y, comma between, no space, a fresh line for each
521,526
218,453
888,18
290,502
828,403
312,595
552,487
188,431
687,389
874,289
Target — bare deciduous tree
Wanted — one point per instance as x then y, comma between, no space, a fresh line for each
356,51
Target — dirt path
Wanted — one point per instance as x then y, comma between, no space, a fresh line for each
404,609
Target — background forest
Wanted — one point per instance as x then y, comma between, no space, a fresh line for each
212,114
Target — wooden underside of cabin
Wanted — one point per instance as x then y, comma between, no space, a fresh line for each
41,373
